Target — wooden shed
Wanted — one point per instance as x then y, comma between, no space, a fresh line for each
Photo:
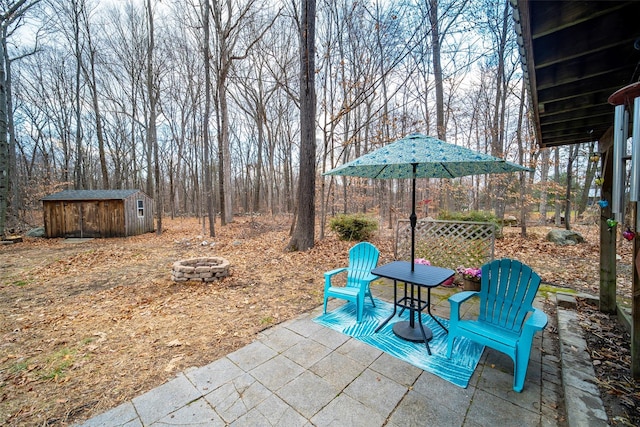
97,213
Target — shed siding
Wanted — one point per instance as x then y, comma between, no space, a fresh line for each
135,224
98,218
53,219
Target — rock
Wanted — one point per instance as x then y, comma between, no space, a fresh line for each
510,221
36,232
564,237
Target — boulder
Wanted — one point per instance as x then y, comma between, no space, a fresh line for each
510,221
565,237
36,232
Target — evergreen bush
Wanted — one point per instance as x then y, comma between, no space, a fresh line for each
353,226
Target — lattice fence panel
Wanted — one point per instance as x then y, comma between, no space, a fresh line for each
447,243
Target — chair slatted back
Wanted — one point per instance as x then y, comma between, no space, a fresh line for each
363,258
508,288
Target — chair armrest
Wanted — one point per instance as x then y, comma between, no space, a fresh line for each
534,323
370,277
537,321
329,274
455,301
334,272
461,297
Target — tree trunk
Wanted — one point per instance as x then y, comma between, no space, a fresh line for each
303,235
224,154
573,153
497,125
152,138
556,171
437,68
4,142
544,177
8,15
206,157
523,180
90,77
260,123
78,172
98,116
590,174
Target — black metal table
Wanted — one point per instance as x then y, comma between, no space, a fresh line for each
423,276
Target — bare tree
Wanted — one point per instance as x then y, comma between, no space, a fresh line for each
152,137
573,155
90,76
556,173
590,174
442,14
9,15
303,234
545,157
253,98
229,26
378,81
208,178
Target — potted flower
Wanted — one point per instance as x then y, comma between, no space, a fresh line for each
470,278
447,283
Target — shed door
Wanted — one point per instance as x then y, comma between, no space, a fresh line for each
81,219
71,221
90,219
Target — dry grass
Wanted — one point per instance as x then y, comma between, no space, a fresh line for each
87,326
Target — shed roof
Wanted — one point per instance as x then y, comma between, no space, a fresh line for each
90,195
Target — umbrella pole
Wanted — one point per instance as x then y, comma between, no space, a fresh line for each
413,218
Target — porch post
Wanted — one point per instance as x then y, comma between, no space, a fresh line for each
607,239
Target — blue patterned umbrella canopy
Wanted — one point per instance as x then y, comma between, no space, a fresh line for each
420,156
433,159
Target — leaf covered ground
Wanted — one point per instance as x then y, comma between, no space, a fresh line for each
86,326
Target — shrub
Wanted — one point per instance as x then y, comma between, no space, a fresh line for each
473,216
353,226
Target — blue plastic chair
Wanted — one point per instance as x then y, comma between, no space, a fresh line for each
363,258
507,321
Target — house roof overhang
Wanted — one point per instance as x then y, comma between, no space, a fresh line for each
575,54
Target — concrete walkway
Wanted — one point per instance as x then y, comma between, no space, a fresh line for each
299,373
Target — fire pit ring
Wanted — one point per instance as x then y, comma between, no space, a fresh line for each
205,269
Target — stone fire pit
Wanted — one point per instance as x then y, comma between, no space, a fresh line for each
205,269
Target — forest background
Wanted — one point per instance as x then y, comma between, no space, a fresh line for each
198,104
203,104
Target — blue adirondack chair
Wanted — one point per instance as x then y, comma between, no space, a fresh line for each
363,258
507,321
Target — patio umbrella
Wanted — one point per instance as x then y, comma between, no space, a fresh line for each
420,156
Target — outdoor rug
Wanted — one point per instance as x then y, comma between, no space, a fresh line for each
457,370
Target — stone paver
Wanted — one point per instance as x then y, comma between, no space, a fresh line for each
302,374
163,400
582,397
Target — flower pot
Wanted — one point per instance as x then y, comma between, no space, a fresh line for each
470,284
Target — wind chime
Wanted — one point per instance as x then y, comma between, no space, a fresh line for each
623,100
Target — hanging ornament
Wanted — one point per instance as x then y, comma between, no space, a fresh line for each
594,157
599,180
612,223
603,203
628,234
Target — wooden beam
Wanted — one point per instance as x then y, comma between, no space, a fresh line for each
560,15
635,304
607,240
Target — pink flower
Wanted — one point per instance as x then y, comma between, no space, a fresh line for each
469,272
